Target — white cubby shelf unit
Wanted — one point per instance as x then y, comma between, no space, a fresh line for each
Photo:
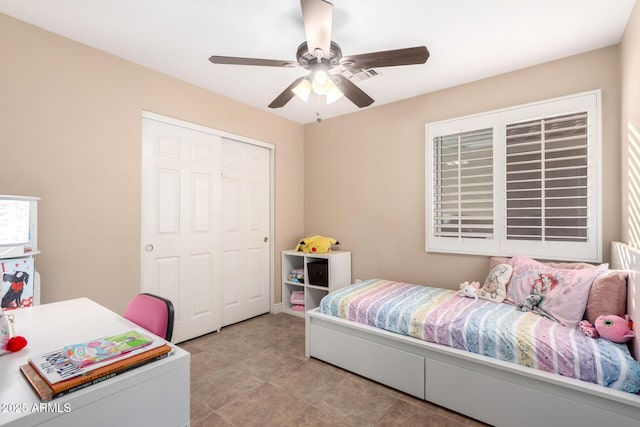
338,275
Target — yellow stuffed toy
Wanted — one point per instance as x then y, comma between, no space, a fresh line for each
316,244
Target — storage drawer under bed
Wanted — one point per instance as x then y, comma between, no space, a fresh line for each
390,366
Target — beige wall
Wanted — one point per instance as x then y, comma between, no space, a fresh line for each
365,172
630,129
70,133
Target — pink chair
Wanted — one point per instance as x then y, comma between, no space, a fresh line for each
153,313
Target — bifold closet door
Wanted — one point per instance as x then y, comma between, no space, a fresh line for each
181,254
246,231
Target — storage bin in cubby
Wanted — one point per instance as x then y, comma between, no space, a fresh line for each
318,272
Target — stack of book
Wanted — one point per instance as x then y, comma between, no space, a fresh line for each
81,365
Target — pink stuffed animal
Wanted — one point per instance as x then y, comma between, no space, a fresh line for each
469,289
613,328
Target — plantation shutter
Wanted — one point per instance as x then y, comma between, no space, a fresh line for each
524,180
546,179
463,185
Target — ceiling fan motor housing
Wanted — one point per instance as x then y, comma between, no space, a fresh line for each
307,60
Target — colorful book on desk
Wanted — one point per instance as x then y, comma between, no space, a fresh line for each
57,366
47,391
90,352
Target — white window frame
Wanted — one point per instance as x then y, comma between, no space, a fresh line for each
498,120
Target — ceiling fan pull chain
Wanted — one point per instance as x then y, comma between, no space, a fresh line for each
318,118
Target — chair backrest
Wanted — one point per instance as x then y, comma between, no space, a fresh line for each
153,313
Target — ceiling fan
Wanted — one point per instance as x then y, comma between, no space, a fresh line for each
324,59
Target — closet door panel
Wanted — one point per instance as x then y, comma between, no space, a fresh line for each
246,216
180,244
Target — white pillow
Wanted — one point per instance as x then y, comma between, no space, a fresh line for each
495,286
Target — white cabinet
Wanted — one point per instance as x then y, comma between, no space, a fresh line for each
332,271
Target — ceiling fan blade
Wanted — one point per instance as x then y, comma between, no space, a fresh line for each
318,18
286,95
387,58
353,92
252,61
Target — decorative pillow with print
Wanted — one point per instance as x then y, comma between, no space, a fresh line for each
495,286
560,294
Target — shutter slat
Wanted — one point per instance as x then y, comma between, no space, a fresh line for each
452,215
464,234
470,185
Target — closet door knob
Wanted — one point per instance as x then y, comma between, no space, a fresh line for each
266,239
148,248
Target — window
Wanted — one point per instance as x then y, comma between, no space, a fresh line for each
523,180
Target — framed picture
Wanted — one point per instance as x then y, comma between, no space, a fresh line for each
18,277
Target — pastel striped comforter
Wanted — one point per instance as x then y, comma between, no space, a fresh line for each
496,330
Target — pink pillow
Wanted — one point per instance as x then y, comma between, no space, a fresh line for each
565,291
495,260
570,265
608,295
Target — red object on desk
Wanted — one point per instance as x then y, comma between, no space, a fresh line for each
16,343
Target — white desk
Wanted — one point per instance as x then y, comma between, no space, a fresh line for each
155,394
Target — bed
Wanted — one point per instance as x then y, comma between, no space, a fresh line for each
498,392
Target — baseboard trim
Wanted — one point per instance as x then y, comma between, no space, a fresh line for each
276,308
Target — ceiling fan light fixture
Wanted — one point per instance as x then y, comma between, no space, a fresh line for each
303,90
333,95
322,83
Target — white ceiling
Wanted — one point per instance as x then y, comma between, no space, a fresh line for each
468,39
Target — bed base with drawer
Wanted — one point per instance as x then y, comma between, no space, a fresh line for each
495,392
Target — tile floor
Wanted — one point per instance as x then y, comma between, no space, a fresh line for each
254,373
